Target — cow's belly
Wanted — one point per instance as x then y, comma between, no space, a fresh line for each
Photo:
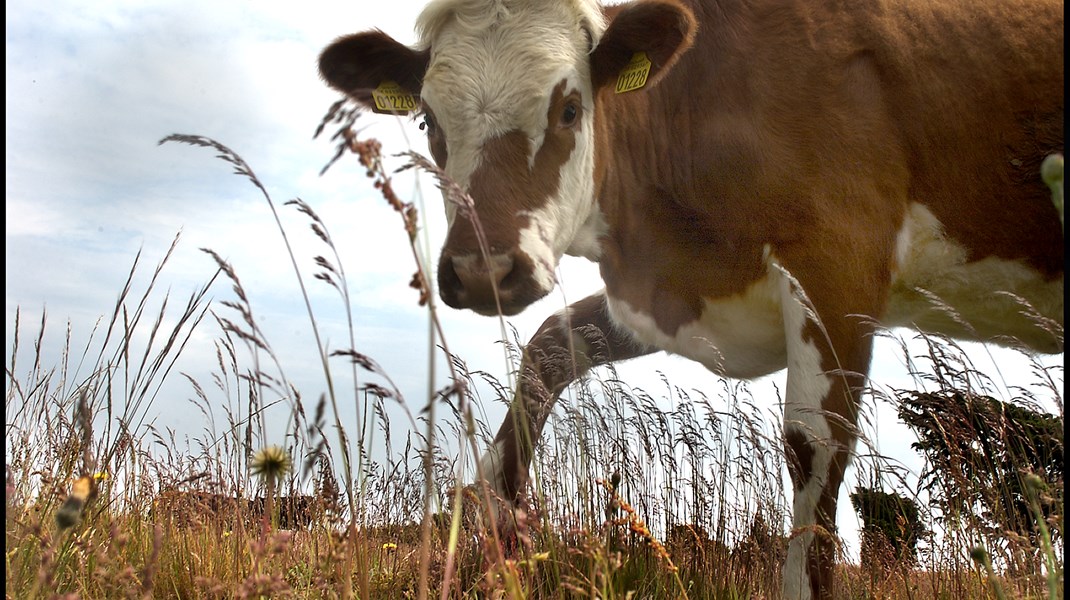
935,289
738,336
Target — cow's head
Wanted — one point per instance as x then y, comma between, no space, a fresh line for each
507,91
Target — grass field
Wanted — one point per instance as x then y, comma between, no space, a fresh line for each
629,501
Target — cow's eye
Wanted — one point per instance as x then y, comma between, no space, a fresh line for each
570,114
428,124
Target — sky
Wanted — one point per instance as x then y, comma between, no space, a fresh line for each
92,86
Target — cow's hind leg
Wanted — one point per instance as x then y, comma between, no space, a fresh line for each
565,347
827,362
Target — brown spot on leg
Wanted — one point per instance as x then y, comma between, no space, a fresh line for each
800,457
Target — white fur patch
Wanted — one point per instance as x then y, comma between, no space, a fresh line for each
570,222
934,289
535,242
490,465
488,78
588,239
796,578
741,336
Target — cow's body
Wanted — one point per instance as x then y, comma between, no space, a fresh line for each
806,172
294,511
192,508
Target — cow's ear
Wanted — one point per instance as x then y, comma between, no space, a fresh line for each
659,31
359,63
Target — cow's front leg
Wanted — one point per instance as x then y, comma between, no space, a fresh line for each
828,357
565,347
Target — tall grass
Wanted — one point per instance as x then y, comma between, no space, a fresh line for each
631,499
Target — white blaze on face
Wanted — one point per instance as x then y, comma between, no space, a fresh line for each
493,71
568,222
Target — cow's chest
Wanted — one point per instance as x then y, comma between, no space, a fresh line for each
691,293
741,336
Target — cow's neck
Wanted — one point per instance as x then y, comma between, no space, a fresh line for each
632,150
587,241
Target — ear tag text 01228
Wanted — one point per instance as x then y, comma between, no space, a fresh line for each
392,99
633,75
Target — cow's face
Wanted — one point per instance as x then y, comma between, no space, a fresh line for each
507,90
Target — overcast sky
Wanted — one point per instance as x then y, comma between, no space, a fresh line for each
92,86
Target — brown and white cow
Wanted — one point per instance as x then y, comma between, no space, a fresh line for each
296,511
194,508
791,175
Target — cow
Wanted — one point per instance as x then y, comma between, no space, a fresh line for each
296,511
192,508
763,183
186,509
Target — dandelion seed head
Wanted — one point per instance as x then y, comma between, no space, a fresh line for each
272,461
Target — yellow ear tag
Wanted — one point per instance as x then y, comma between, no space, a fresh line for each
633,75
391,99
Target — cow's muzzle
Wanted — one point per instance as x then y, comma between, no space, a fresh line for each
501,282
